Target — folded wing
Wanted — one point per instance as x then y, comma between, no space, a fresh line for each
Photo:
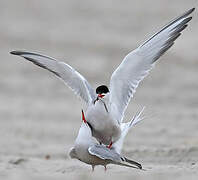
105,153
111,155
70,76
137,64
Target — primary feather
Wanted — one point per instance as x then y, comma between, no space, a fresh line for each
69,75
137,64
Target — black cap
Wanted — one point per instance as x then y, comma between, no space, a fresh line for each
102,89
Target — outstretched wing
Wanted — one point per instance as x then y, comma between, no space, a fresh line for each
70,76
137,64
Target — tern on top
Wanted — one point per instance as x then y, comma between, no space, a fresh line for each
106,106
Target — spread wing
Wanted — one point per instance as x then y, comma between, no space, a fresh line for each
137,64
70,76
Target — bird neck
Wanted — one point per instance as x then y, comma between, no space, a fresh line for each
84,135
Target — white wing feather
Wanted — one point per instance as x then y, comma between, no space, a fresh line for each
70,76
137,64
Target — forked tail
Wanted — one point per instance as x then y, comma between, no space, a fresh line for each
125,128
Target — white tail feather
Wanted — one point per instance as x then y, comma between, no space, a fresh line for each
136,119
125,128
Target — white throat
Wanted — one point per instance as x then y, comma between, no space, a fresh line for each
84,135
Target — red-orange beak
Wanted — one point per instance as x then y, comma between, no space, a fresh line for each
101,95
83,117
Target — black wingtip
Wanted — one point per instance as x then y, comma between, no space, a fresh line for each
133,163
16,53
139,166
192,9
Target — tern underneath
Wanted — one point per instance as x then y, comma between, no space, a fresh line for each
88,151
106,106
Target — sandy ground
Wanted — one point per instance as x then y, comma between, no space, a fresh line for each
40,117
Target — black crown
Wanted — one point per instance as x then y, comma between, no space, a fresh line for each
102,89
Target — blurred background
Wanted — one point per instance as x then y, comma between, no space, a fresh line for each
40,116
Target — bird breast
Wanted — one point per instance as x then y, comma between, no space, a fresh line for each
104,126
97,115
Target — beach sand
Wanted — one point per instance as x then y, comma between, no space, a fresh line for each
40,116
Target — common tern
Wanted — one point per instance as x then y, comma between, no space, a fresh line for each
88,151
106,106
